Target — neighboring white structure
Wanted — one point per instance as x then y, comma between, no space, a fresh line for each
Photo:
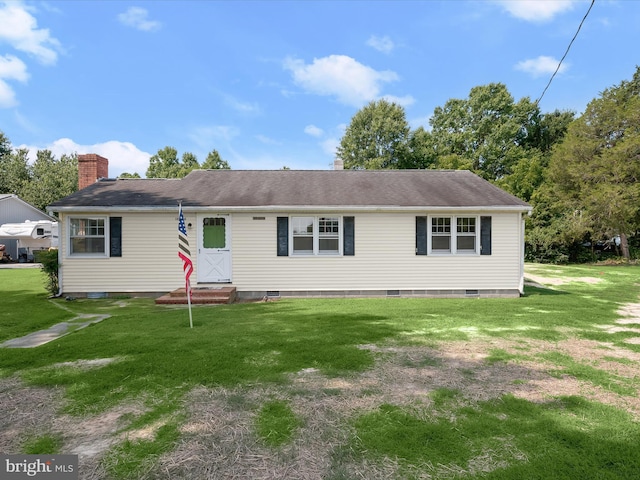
15,210
297,233
30,236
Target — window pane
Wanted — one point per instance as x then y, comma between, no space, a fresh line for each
466,225
441,243
303,244
302,225
87,245
213,231
329,245
441,225
77,226
328,227
466,242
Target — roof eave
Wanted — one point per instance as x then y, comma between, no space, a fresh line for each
294,208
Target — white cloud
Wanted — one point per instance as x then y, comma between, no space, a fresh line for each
382,44
207,137
536,10
122,156
20,29
540,66
338,75
402,101
242,107
11,68
267,140
137,18
313,131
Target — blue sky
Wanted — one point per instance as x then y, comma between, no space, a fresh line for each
275,83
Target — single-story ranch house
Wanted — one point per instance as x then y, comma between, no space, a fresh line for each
294,233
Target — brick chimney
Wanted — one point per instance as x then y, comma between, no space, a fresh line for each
91,167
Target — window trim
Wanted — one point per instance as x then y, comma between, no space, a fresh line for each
315,252
453,236
105,253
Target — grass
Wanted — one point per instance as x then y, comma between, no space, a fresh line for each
42,444
156,359
24,304
276,423
532,441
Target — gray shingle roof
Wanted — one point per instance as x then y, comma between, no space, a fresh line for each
319,188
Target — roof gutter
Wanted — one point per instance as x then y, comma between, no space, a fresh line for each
295,208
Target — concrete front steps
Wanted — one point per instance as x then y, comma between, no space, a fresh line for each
199,296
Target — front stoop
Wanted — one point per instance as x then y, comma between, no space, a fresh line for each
199,296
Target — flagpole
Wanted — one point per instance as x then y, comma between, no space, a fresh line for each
189,302
184,252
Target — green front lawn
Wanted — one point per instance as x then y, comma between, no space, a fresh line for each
157,359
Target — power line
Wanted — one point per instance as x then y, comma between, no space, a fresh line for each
565,53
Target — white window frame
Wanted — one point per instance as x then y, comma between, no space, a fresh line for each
453,235
103,254
316,234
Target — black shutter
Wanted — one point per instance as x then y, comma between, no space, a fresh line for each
421,235
348,247
283,236
485,235
115,233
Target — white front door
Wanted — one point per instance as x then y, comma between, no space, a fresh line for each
214,248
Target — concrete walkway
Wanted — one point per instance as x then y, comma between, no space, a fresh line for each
19,265
58,330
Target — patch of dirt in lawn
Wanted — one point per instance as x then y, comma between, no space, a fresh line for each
219,438
541,280
27,412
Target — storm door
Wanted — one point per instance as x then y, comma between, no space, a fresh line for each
214,248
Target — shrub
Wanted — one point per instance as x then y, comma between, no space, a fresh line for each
49,261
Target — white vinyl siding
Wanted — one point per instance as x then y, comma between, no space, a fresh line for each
149,261
384,258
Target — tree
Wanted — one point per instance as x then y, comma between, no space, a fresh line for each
5,145
595,171
165,164
376,138
129,175
50,179
421,150
486,131
215,162
14,170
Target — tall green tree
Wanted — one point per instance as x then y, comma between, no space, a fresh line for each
486,131
14,171
5,145
50,179
215,162
166,164
595,171
376,138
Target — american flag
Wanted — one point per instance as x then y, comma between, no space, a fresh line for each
184,253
